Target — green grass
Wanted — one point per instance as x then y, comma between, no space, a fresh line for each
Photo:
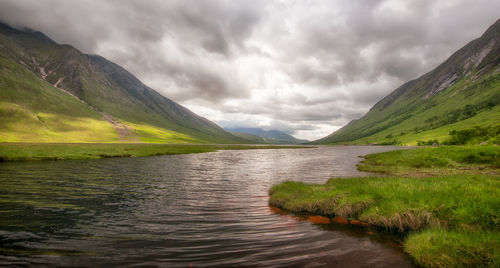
472,101
451,248
410,137
151,134
402,204
435,161
448,220
62,151
463,207
27,126
32,110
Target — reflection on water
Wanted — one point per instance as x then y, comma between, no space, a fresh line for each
202,209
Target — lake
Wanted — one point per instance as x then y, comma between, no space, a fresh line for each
208,209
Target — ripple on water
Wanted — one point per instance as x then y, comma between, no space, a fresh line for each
206,209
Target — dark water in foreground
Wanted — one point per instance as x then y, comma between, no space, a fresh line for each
202,209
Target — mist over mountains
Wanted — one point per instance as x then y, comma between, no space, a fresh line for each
266,136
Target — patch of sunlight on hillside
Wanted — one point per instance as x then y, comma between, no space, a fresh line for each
485,118
18,124
151,134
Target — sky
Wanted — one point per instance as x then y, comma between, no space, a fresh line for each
303,67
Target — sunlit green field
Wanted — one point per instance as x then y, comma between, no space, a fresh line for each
442,160
151,134
22,125
61,151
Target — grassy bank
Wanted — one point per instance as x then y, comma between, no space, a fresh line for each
63,151
449,220
443,160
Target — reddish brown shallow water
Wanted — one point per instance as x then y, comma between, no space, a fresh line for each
202,210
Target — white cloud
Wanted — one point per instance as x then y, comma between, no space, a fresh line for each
306,67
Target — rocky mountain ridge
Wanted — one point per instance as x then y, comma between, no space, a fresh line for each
464,87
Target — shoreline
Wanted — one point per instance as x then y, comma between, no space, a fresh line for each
447,220
19,152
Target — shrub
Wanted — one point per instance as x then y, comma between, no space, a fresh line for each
391,142
474,135
429,142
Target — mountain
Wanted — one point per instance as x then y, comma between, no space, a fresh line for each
55,93
462,92
265,136
253,138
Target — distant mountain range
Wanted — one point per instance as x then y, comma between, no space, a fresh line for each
259,135
462,92
54,93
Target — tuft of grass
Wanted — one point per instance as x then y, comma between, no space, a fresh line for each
451,220
400,204
445,248
448,220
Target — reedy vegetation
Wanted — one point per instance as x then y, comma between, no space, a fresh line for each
448,220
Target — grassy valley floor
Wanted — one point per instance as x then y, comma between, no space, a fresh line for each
433,161
446,200
65,151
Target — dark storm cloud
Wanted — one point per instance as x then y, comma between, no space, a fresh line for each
400,43
301,65
132,34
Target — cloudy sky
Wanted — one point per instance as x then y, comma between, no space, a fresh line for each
305,67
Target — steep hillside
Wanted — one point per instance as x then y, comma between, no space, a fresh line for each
253,138
33,110
46,84
266,136
462,92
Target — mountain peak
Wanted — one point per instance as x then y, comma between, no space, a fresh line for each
8,30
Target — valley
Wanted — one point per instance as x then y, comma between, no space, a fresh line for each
277,162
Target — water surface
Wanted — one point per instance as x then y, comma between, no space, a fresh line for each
207,209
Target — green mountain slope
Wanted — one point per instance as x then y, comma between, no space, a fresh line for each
266,136
62,95
33,110
462,92
254,138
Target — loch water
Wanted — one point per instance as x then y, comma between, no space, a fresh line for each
198,210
